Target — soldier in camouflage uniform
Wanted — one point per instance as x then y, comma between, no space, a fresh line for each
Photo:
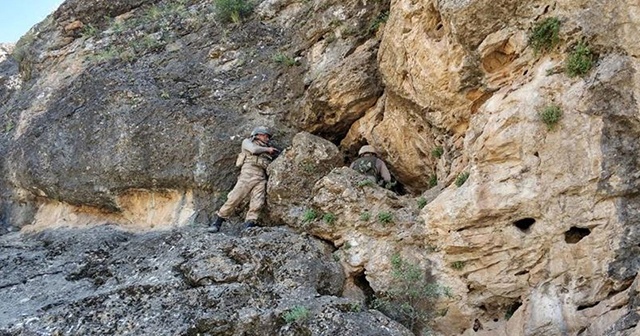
370,165
254,158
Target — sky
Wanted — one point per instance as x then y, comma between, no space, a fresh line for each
18,16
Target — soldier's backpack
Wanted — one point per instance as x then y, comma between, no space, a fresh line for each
366,165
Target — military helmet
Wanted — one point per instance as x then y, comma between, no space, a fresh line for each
367,149
260,130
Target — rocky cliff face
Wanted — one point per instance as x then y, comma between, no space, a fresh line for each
516,159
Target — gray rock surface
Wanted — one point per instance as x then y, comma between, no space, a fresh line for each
103,281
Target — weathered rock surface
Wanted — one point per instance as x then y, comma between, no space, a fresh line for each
183,281
293,174
141,118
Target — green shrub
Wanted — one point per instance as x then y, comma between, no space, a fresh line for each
545,35
309,216
281,58
462,178
105,55
437,152
550,116
89,30
365,216
297,313
433,181
329,218
411,296
579,61
233,10
385,217
421,202
154,13
457,265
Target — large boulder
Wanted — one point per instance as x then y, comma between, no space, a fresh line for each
293,174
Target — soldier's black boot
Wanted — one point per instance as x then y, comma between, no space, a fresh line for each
249,224
215,225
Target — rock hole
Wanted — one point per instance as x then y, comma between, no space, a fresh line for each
525,72
512,309
586,306
495,320
546,9
524,224
522,273
575,234
360,280
439,26
483,308
536,154
477,325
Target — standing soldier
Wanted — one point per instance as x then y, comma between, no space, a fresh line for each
255,156
369,164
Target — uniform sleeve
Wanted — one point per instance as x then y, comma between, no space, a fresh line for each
353,165
253,148
384,172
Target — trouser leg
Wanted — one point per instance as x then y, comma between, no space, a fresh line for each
237,194
258,195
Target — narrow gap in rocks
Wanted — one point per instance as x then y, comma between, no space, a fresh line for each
587,306
524,224
575,234
512,309
361,281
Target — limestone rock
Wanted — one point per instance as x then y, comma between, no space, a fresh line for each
293,174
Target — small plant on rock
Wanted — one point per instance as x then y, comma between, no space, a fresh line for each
437,152
457,265
281,58
89,30
329,218
545,35
550,116
421,202
410,297
309,216
579,61
365,216
233,10
385,217
297,313
433,180
461,179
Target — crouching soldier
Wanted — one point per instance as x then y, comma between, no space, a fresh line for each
254,158
370,165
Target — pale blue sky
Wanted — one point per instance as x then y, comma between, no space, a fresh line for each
18,16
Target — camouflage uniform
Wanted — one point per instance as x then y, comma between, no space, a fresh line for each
252,180
370,165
